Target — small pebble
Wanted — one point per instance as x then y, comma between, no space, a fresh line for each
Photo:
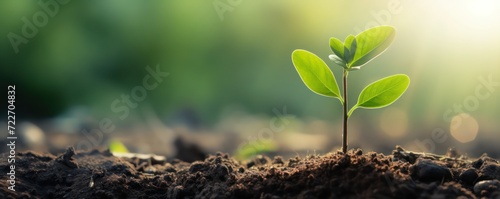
486,185
468,176
490,171
428,171
150,169
91,183
359,152
478,163
260,160
278,160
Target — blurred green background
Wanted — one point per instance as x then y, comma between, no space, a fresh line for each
92,52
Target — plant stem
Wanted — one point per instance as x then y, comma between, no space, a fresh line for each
344,135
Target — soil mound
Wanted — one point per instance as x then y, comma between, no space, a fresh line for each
403,174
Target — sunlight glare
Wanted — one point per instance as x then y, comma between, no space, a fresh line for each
480,14
480,9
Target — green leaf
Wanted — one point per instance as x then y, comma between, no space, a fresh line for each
371,43
347,55
253,148
315,73
348,50
116,146
337,60
349,41
382,92
352,49
337,47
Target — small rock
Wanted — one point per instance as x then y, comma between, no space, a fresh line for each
358,152
169,168
401,154
486,186
67,158
468,176
150,169
250,164
197,166
478,163
278,160
293,161
428,171
176,192
490,171
259,160
221,172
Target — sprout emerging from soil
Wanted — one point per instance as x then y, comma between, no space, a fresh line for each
352,55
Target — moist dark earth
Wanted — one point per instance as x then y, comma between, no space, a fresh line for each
356,174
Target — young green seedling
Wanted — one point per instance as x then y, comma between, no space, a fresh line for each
351,55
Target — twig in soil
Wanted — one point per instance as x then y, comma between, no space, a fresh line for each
91,183
411,156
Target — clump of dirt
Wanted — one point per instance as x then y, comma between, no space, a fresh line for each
403,174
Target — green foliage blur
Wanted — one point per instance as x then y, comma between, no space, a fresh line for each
92,52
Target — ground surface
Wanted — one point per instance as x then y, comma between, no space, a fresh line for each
402,174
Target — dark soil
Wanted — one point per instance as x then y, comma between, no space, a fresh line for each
402,174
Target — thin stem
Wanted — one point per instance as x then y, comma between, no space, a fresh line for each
344,135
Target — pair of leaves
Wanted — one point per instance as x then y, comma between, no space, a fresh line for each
319,78
358,50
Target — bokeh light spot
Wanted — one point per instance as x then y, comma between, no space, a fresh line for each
464,128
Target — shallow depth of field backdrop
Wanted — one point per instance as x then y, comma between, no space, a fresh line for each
231,77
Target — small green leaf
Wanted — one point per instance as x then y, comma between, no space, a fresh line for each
315,73
352,49
337,47
337,60
382,92
347,55
371,43
348,51
253,148
116,146
349,40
